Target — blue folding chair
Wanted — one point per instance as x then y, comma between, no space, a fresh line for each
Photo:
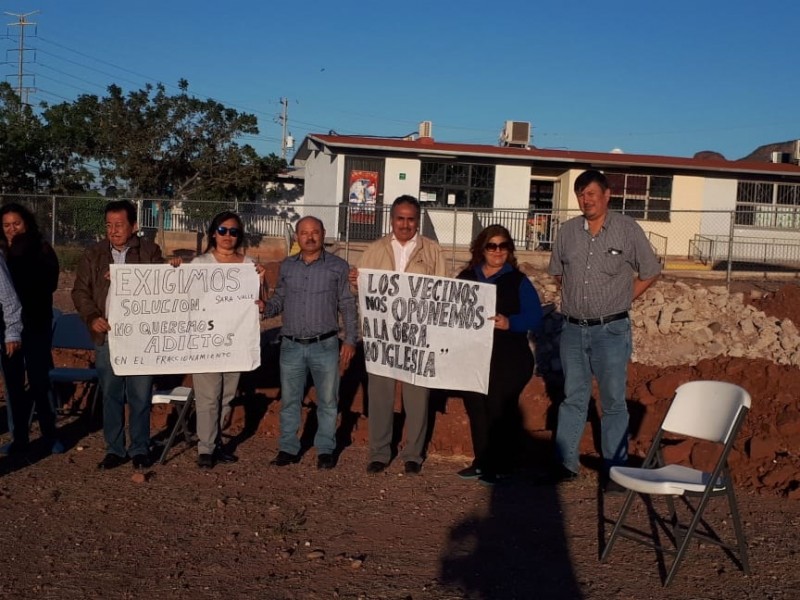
71,333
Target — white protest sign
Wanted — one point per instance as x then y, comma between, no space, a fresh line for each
189,319
430,331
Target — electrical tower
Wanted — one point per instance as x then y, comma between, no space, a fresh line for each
287,141
22,22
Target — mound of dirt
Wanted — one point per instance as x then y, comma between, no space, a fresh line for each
782,304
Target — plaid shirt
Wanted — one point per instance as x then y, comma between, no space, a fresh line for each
12,309
597,271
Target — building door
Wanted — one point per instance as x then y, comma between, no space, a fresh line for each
362,205
540,214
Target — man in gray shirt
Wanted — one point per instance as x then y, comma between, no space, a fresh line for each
603,262
312,290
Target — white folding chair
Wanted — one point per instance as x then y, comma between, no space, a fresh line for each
705,410
179,396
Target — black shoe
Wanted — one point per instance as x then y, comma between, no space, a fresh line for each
226,458
14,448
469,473
284,458
325,461
142,461
493,479
376,466
111,461
412,468
205,461
557,474
612,488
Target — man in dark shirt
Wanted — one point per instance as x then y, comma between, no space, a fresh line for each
312,290
603,262
89,294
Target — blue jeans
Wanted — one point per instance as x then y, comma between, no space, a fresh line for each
137,391
602,351
297,360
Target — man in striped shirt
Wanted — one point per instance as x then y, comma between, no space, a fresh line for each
313,289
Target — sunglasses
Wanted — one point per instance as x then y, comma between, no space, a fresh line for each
492,247
234,231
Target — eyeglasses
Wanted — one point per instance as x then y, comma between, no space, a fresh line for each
502,246
234,231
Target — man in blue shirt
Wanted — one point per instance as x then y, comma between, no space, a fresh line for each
313,289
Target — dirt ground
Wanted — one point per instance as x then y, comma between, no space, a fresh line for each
254,531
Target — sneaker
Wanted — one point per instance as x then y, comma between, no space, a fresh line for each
57,447
205,461
469,473
493,479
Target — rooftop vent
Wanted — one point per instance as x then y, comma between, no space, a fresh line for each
516,133
426,129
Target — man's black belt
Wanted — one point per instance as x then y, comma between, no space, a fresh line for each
311,340
598,321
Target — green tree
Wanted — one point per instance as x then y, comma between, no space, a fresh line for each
21,148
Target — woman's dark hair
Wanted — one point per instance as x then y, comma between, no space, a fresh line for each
31,227
218,219
477,245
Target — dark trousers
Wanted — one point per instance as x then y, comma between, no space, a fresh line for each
494,418
34,358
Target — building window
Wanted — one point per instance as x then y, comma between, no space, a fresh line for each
456,184
643,197
768,205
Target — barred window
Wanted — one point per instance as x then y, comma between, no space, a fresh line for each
643,197
456,184
768,205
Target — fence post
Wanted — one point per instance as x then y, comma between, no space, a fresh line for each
53,223
730,250
347,231
453,243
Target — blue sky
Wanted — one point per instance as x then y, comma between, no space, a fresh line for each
670,78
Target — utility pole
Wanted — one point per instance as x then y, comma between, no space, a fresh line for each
22,23
284,123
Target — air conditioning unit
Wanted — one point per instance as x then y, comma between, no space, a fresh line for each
516,133
797,150
426,129
777,157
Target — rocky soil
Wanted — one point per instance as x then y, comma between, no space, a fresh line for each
256,531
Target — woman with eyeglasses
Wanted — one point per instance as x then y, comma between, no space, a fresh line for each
33,266
213,392
494,418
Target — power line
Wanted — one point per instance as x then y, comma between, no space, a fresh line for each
22,23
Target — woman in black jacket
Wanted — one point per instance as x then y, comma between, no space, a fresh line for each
34,272
494,418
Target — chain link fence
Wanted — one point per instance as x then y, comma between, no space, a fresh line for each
683,240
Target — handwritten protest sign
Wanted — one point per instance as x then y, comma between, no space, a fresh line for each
189,319
429,331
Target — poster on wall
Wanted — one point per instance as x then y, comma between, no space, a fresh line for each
363,196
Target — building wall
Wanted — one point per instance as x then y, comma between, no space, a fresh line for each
394,186
512,186
324,177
